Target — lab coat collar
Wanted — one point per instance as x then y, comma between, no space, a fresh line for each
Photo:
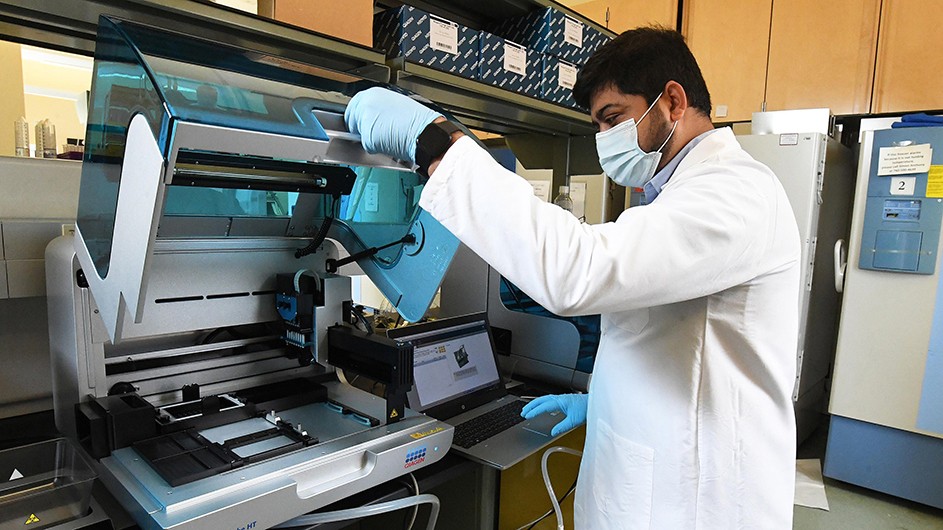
721,140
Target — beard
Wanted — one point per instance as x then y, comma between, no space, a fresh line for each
661,129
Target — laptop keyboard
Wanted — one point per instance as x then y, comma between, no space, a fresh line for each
479,429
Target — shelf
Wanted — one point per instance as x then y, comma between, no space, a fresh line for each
71,26
489,108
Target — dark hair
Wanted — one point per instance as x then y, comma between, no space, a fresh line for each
641,61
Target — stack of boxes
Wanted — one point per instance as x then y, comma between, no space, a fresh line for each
536,55
509,65
564,43
428,40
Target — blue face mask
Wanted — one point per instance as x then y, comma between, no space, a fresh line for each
621,157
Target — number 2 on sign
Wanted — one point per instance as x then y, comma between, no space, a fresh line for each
903,185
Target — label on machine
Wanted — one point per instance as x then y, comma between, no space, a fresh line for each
904,160
904,208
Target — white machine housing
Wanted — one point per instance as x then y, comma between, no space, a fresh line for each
149,323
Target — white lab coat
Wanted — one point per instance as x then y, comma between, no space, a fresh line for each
690,422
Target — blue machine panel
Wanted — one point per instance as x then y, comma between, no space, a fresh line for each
892,461
901,224
897,250
930,411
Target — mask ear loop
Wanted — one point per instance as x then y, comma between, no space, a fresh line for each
673,126
650,107
669,137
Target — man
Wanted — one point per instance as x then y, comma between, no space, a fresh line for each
689,416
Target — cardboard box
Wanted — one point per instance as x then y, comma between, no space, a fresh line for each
558,79
428,40
353,21
509,65
554,33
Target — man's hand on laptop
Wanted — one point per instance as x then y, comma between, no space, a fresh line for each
573,405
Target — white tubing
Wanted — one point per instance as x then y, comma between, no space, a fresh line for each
312,519
543,470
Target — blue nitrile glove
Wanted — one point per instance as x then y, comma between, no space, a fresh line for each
388,122
573,405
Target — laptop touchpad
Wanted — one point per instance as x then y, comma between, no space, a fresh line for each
544,423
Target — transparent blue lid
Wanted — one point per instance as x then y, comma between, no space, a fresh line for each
176,80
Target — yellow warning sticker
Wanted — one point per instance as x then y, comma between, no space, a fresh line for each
935,182
32,519
394,414
418,435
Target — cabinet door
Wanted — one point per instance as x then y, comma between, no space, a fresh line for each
908,75
627,14
730,39
821,54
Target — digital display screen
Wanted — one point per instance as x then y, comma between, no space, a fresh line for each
901,210
450,363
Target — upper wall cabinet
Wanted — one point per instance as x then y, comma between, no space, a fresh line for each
909,64
821,54
764,55
730,39
620,15
850,56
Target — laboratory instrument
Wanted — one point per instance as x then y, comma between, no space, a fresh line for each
817,172
196,329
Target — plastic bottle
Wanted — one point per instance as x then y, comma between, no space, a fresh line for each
38,153
48,131
21,133
563,199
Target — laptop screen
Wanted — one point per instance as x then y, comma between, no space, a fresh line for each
452,358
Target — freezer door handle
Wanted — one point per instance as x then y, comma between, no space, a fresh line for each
841,263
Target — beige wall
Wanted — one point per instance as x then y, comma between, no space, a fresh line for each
55,86
11,86
61,112
38,84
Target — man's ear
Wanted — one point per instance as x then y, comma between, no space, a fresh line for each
678,100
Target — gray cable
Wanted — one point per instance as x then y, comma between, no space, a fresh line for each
310,520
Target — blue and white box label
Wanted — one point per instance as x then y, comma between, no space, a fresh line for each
566,75
443,35
515,58
573,31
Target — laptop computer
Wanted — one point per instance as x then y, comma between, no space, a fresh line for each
456,380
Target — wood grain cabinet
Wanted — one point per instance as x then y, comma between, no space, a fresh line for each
821,54
764,55
620,15
909,72
730,39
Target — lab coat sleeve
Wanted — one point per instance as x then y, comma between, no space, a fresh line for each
714,230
